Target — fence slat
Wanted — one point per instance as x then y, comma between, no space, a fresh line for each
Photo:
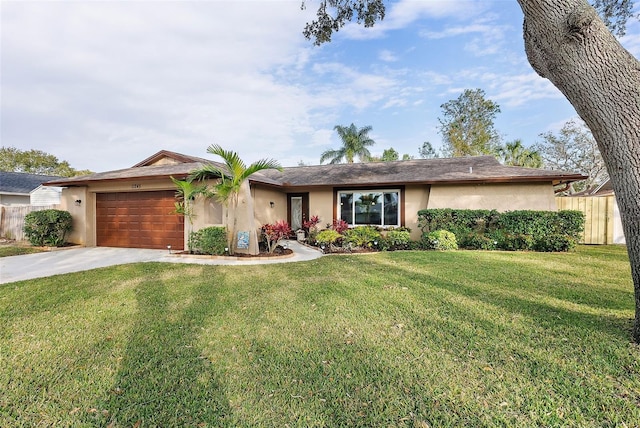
598,210
12,220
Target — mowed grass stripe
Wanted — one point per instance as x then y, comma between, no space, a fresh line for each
392,339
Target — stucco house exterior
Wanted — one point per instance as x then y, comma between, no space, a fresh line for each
133,207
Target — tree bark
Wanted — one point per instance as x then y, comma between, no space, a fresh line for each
567,43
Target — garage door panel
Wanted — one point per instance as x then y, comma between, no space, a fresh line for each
138,220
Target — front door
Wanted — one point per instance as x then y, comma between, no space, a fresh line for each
298,209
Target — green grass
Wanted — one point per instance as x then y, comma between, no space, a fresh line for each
387,340
13,250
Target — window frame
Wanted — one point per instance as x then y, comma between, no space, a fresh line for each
399,191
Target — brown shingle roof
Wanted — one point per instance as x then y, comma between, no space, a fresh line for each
472,169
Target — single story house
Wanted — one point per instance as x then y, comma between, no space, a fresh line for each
19,188
133,207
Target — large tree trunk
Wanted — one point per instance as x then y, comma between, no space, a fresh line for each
567,43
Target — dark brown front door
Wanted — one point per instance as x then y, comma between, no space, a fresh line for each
138,220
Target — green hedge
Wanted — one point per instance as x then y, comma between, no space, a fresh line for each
513,230
441,240
47,227
210,240
459,222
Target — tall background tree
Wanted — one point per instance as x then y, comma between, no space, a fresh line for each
514,153
355,143
35,162
232,191
467,125
426,151
569,44
574,149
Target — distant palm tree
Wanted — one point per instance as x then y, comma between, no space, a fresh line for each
515,154
354,144
232,178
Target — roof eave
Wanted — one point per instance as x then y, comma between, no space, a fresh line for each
80,183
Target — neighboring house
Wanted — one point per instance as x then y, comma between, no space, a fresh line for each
133,207
17,188
45,195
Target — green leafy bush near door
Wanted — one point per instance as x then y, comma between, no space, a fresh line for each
210,240
47,227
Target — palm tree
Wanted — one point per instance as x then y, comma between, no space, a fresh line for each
233,182
354,143
515,154
186,194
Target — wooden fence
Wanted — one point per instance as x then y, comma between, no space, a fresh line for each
12,220
599,216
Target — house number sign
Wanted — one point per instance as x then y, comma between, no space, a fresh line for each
136,186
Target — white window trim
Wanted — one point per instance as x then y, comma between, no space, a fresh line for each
373,190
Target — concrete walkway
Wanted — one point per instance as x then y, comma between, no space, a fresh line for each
39,265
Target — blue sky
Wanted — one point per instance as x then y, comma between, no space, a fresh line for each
105,84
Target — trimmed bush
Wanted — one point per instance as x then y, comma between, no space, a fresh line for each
554,243
396,240
441,240
47,227
458,221
477,241
514,230
362,236
210,240
514,241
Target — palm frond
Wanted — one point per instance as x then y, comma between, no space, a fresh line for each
207,171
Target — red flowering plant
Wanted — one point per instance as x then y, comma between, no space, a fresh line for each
311,223
273,233
311,227
340,226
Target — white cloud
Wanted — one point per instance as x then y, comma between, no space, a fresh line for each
137,77
403,13
387,56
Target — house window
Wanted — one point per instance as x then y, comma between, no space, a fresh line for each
370,207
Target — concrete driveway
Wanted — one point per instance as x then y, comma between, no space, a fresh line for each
40,265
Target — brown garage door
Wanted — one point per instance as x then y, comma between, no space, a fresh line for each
138,220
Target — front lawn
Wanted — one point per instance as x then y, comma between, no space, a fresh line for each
17,250
416,339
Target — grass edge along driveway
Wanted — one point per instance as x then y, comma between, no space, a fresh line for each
392,339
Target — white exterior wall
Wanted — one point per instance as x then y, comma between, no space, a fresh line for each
43,195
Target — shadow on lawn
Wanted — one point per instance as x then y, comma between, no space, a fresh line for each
574,310
163,379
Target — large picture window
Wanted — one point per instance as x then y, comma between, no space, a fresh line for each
370,207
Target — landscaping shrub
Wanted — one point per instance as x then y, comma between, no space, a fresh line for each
47,227
477,241
513,241
363,236
327,237
340,226
555,242
210,240
311,228
396,239
442,240
458,221
514,230
273,233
